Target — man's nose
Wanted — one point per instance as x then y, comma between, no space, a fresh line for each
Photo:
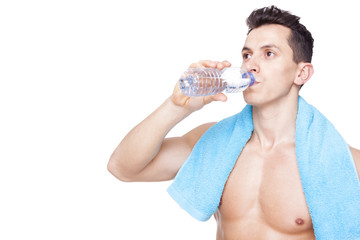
252,65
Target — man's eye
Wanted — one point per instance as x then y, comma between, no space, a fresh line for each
246,56
270,54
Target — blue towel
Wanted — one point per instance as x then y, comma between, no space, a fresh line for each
327,171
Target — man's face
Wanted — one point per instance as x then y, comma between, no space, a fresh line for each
268,56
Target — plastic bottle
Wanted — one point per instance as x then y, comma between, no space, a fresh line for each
210,81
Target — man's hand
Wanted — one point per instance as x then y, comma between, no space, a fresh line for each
196,103
145,154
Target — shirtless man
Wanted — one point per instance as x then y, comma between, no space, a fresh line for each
263,197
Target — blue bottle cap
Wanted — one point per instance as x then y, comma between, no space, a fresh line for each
252,78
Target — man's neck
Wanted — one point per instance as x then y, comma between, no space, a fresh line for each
275,123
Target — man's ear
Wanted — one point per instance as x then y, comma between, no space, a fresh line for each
306,70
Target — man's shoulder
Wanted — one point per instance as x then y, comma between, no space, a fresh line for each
195,134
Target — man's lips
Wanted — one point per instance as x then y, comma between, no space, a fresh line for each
255,83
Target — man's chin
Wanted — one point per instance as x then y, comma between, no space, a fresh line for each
250,98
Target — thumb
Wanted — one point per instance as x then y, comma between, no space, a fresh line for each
218,97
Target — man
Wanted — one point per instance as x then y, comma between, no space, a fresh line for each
263,196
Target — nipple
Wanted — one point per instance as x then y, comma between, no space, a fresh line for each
299,221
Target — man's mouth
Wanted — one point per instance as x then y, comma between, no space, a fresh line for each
255,83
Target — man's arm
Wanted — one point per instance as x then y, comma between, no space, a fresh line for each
145,154
356,156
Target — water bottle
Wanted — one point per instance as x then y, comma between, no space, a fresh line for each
210,81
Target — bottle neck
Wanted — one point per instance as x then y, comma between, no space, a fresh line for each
237,80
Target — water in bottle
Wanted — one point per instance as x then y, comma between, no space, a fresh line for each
210,81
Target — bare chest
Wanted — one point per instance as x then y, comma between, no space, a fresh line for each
264,192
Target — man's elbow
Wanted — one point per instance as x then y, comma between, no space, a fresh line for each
117,171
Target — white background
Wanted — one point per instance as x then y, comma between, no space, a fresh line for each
76,76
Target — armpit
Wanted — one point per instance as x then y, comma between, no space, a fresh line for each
356,156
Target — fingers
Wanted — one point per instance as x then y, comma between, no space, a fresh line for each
196,65
226,63
211,64
208,63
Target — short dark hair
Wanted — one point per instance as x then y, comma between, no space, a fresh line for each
300,40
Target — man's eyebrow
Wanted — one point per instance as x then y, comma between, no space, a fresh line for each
245,49
262,47
270,46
